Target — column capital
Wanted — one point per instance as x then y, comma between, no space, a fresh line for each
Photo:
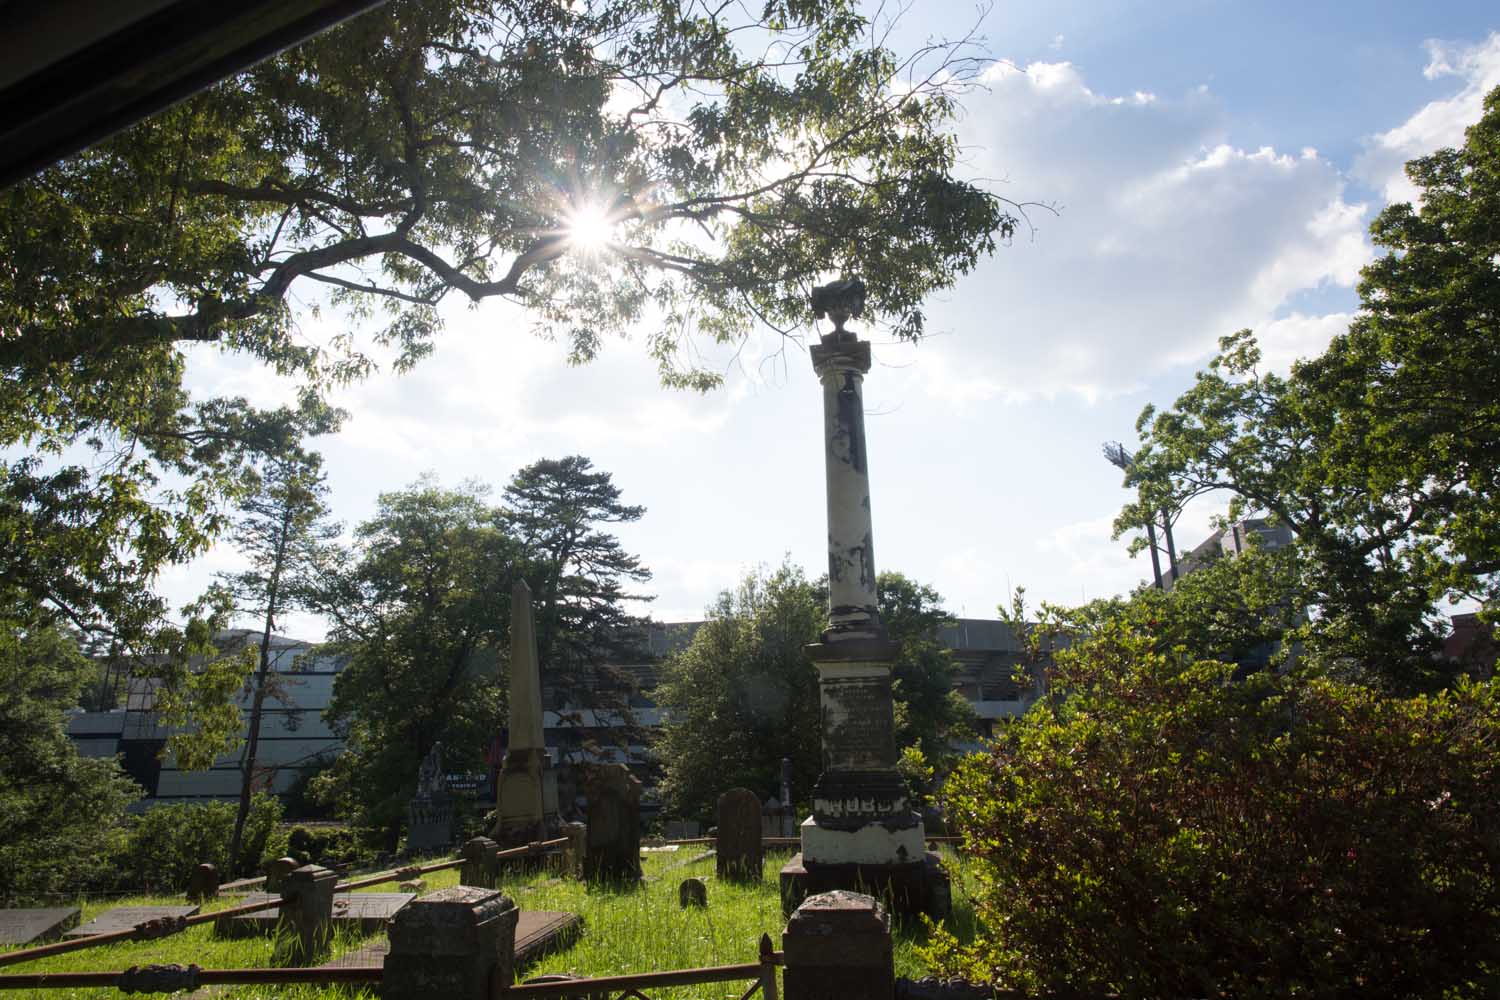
841,354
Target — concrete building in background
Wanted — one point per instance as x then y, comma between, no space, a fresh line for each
293,732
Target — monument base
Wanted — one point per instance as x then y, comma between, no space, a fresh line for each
919,887
872,844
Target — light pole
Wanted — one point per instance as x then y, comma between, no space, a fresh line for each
1121,459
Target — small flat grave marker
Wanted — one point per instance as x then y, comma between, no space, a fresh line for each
26,926
123,918
366,912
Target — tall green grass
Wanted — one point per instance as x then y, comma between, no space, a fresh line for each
624,930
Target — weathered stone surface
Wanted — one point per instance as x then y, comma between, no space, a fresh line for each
575,852
526,798
838,945
203,884
739,848
537,933
919,887
692,892
123,918
308,892
457,943
480,868
41,924
363,912
614,827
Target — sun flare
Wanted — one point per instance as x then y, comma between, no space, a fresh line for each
589,228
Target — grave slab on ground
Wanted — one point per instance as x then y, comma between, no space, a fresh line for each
42,924
537,932
366,912
123,918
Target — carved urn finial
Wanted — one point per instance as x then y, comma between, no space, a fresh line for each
838,300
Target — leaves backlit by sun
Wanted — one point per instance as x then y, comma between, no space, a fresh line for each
589,228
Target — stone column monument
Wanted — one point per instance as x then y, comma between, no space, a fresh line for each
863,833
526,800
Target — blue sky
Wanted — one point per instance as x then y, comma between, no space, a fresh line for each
1216,166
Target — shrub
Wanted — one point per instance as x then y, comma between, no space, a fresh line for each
328,846
167,842
1162,830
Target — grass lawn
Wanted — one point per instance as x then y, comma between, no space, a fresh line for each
624,931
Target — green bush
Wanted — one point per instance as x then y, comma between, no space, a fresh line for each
1158,829
167,842
328,846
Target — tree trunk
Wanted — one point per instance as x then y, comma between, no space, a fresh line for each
258,697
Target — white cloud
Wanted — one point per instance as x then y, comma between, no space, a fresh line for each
1437,124
1170,236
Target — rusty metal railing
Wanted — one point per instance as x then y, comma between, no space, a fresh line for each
762,971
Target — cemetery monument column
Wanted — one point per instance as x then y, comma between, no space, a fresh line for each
863,831
526,800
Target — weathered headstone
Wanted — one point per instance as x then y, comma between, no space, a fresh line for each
576,850
692,892
456,943
203,883
739,850
41,924
480,868
838,945
526,799
123,918
614,827
863,831
430,811
308,912
537,932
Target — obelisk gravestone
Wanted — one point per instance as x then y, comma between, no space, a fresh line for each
526,803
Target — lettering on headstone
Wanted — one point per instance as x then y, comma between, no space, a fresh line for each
859,731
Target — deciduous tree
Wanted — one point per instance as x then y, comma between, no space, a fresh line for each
1382,455
280,530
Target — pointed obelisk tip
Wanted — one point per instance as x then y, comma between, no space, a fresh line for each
520,588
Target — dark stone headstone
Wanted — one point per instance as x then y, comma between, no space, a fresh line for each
692,892
456,943
204,883
838,945
26,926
614,827
739,850
308,892
481,867
123,918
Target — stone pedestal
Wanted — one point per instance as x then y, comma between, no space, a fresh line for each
458,944
277,871
837,946
308,912
480,868
862,833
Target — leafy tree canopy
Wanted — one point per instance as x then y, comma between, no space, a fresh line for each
1382,455
58,811
420,606
430,147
